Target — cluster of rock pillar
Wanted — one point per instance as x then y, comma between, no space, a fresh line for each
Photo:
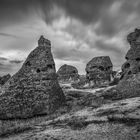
34,89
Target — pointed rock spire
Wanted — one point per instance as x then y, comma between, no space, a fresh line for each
34,89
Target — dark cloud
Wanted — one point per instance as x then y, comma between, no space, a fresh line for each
3,58
16,61
93,11
110,47
1,65
8,35
85,10
15,11
6,66
66,54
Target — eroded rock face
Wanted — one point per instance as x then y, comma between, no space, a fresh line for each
129,84
99,70
132,65
34,89
67,73
134,37
116,75
4,79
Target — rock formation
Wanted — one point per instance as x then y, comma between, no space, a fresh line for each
34,89
98,70
129,86
116,75
67,73
4,79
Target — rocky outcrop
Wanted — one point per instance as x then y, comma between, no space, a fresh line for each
99,70
4,79
116,75
34,89
129,86
67,73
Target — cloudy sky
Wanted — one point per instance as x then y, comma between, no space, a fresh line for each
78,29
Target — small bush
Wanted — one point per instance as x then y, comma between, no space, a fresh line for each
77,123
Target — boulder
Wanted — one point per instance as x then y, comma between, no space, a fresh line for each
67,73
99,70
34,89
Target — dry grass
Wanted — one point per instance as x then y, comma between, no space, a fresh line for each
14,126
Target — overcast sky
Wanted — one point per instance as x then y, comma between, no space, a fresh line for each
78,29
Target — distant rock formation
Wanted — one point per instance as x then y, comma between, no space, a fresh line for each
129,86
67,73
4,79
99,70
116,75
34,89
82,83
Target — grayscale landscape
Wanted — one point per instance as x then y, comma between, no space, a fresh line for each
69,70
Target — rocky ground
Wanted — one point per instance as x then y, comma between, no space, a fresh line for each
87,115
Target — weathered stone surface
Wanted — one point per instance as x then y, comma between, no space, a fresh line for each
132,65
129,86
99,70
67,73
134,37
116,75
34,89
133,53
4,79
82,83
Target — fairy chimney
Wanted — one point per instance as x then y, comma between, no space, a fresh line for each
34,89
99,70
67,73
129,84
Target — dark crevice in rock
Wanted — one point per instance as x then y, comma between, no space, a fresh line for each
50,66
28,63
137,59
38,70
127,65
129,73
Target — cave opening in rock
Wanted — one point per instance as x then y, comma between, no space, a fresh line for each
38,70
126,58
101,68
74,71
127,65
129,73
137,59
50,66
28,63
